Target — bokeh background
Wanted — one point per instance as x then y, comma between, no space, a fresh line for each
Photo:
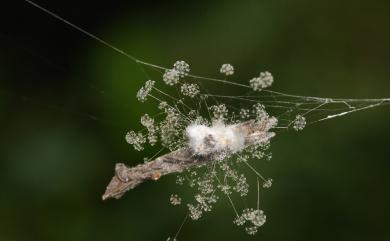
66,102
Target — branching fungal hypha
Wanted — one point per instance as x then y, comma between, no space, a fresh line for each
209,138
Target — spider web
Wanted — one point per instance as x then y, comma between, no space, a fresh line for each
284,106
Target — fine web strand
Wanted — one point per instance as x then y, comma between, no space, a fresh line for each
181,226
228,196
290,104
258,193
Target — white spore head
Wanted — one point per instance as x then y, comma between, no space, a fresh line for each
205,140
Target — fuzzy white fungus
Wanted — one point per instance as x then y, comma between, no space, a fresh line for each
205,140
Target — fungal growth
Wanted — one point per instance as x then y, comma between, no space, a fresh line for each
208,139
205,143
205,146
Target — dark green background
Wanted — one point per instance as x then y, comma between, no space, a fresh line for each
66,102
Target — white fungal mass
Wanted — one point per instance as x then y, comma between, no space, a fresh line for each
205,140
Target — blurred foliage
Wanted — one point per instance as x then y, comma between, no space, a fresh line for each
66,102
